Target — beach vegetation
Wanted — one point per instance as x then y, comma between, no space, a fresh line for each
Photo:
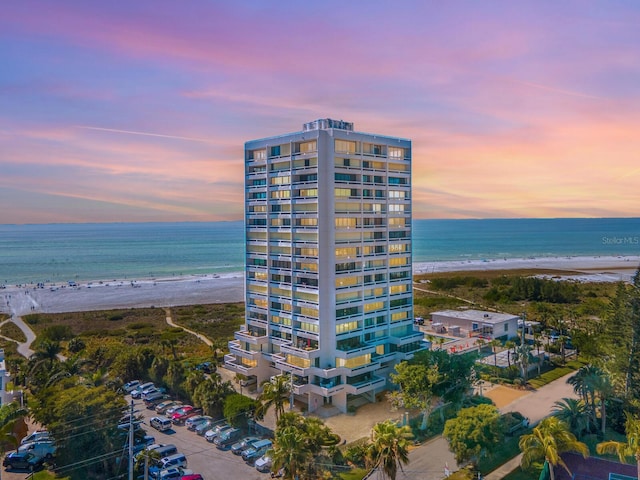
475,432
12,331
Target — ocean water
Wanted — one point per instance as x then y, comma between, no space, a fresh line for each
86,252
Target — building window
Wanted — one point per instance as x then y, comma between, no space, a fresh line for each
506,327
345,146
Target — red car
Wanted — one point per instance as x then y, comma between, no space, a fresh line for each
195,476
184,412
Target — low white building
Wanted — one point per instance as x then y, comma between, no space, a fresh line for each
5,378
470,323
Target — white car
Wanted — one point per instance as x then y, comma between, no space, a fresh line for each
263,464
37,436
129,386
41,449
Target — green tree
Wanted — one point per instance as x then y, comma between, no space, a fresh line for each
390,447
83,420
275,393
290,452
622,334
76,345
547,441
143,459
10,413
211,394
238,409
630,448
574,413
416,388
474,432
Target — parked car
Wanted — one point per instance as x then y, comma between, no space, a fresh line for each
173,473
141,443
239,447
167,450
22,461
194,420
203,427
177,460
205,367
193,476
160,423
181,415
154,398
41,449
249,381
227,438
36,436
148,391
171,410
137,391
164,406
129,386
215,431
263,464
253,453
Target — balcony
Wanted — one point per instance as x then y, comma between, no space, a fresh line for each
365,385
355,351
235,348
230,363
282,364
254,337
405,339
307,353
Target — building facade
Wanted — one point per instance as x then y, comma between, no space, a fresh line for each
328,278
471,323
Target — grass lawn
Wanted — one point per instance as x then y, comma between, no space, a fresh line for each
46,475
507,451
11,330
554,374
519,474
355,474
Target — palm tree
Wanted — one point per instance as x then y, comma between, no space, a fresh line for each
274,394
522,355
390,447
630,448
573,412
144,458
591,382
495,343
547,441
290,452
509,344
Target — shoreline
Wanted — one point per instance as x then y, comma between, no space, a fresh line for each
229,287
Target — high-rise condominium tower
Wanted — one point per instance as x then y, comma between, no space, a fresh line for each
328,262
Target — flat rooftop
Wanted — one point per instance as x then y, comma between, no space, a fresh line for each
476,315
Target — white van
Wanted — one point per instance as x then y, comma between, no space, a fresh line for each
161,423
175,460
36,436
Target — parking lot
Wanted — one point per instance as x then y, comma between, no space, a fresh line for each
203,457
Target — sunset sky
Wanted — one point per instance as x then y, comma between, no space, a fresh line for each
130,111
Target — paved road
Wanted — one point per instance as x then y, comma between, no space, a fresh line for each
427,462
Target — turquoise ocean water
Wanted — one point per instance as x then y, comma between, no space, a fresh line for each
81,252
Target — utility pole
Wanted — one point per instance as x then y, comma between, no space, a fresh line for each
131,425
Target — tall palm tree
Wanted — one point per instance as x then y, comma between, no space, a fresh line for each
290,453
495,343
630,448
274,394
390,447
509,344
573,412
547,441
591,382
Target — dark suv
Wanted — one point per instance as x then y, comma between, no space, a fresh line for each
22,461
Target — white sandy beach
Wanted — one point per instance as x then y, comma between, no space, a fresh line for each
191,290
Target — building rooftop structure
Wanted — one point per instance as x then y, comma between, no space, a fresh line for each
477,315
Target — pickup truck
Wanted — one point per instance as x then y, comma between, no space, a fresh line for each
181,415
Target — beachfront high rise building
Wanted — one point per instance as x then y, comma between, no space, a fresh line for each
328,282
